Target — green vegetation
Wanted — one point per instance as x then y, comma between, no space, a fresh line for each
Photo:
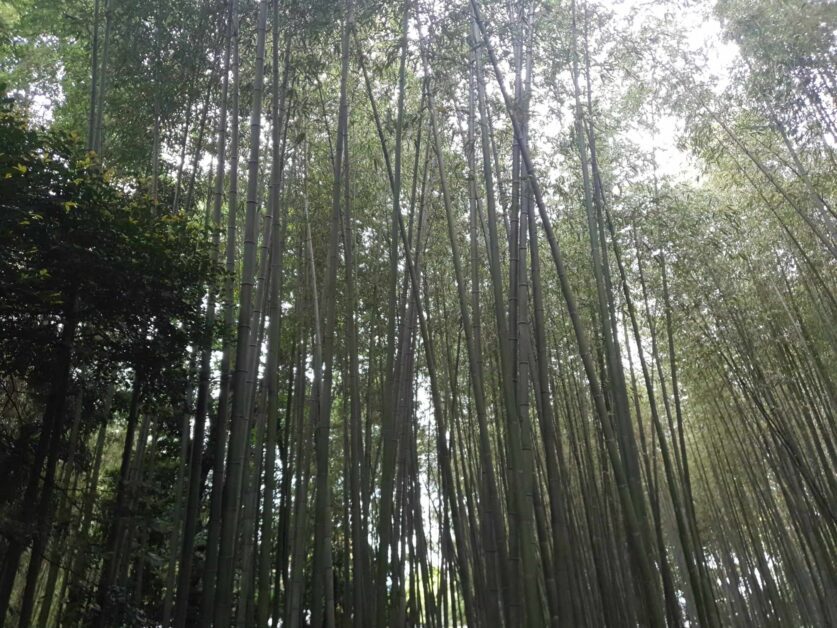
404,313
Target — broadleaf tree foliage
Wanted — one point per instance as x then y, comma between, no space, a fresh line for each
401,313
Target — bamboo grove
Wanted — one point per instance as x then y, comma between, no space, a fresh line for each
406,313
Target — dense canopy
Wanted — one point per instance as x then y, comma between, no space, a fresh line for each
418,313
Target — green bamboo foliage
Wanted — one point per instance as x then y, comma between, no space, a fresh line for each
485,361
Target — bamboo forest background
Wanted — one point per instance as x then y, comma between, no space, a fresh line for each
418,313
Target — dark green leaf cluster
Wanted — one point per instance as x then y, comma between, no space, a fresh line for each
73,238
